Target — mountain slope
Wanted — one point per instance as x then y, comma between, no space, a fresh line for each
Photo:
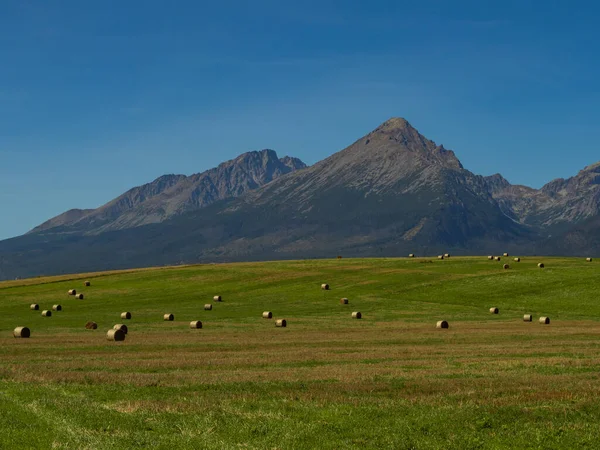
172,195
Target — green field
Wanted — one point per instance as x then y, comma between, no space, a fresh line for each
390,380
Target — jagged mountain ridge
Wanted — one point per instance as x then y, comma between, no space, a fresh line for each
172,195
556,206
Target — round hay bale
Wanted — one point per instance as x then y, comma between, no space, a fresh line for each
527,318
344,301
91,325
441,324
121,327
505,254
207,307
588,259
494,310
126,315
446,255
115,335
217,298
497,258
545,320
34,307
517,259
506,266
267,315
281,323
325,286
490,257
356,315
440,256
79,296
72,292
21,332
196,324
411,255
56,307
170,317
46,313
541,265
87,283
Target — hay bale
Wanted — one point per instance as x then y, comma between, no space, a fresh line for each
34,307
541,265
497,258
588,259
356,315
121,327
490,257
79,296
170,317
196,324
21,332
441,324
440,256
527,318
217,298
207,307
505,254
411,255
494,310
344,301
115,335
72,292
91,325
545,320
517,259
267,315
325,286
56,307
506,266
46,313
281,323
87,283
126,315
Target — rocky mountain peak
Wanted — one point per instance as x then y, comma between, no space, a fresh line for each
396,137
496,183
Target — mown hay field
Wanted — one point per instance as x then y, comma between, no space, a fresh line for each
390,380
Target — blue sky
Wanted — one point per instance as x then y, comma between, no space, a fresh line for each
98,97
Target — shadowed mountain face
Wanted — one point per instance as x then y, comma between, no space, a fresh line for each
389,193
172,195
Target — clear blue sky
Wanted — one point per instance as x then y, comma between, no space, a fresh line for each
100,96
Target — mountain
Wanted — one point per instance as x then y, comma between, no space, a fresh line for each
556,206
391,192
391,188
172,195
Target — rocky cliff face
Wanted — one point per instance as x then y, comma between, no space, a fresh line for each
172,195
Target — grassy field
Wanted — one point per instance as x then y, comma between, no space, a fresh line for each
389,380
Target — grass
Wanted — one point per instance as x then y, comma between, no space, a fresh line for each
389,380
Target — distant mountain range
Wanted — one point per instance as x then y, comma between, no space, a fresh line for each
173,195
389,193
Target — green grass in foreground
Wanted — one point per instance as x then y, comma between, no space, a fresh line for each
390,380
